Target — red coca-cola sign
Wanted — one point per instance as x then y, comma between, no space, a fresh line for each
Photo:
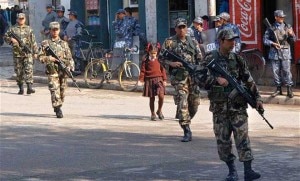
246,15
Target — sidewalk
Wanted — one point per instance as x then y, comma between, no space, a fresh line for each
6,69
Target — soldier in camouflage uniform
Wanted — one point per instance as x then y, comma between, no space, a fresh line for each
187,96
63,21
225,24
229,111
23,62
56,77
285,36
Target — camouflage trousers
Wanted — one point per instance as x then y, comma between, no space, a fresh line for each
23,67
187,99
57,86
226,123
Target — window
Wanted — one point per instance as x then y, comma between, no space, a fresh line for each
133,3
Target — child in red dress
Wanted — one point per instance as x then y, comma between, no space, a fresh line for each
154,77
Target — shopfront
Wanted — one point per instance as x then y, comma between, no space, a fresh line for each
248,15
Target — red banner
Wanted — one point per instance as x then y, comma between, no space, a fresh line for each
246,15
296,5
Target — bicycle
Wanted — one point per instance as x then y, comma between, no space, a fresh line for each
256,62
99,70
88,50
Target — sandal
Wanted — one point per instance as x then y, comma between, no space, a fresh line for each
153,118
160,115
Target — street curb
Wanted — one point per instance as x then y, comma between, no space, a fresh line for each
267,99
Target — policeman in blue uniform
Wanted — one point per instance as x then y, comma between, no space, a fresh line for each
279,37
61,19
225,24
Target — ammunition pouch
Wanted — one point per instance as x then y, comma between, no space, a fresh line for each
217,94
51,68
180,74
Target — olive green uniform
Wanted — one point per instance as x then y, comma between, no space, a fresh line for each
229,111
23,62
56,77
187,93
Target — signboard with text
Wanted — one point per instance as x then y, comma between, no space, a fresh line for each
246,14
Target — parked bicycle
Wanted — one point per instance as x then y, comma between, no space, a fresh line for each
88,49
256,62
99,70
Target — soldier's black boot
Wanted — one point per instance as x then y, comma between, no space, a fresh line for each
21,89
30,89
58,112
290,93
249,173
232,175
277,92
187,133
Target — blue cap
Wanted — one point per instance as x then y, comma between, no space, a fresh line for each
73,13
121,11
279,13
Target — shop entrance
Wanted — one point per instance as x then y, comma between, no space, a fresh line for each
178,9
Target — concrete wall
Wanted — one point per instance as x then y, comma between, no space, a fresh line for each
151,19
201,8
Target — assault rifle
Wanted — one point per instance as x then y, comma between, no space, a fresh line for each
50,52
268,25
201,76
215,67
22,45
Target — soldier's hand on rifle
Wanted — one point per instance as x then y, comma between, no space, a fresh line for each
175,64
222,81
14,41
290,32
52,59
276,45
259,105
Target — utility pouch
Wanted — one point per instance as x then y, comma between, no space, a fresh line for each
181,74
217,94
50,68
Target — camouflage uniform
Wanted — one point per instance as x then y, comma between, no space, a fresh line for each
187,96
230,109
56,77
23,62
124,30
280,64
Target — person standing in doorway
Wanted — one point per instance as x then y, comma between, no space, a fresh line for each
279,37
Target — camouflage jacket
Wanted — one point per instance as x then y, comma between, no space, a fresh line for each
61,49
25,33
189,50
237,67
283,38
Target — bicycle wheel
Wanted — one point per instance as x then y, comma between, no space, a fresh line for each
94,74
256,64
129,76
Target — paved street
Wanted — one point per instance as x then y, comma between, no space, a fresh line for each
107,135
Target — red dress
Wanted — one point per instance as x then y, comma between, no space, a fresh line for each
154,76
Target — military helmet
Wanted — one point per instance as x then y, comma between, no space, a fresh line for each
60,8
